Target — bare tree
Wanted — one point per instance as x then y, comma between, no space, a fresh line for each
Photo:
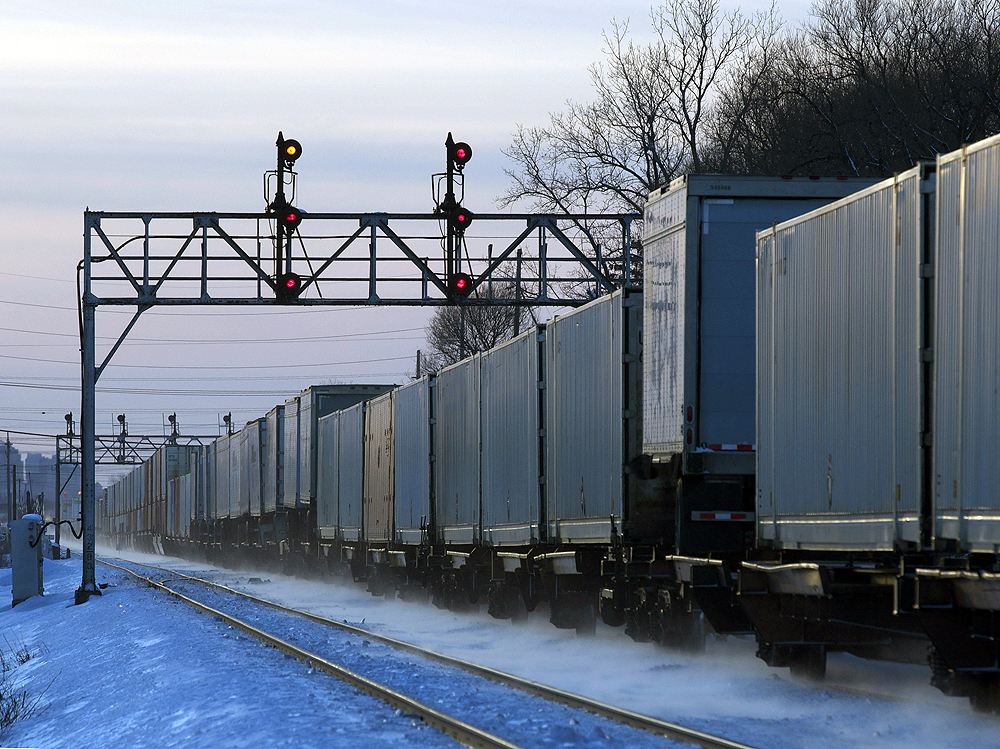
645,125
455,332
868,87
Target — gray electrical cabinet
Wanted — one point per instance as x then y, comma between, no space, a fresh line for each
25,559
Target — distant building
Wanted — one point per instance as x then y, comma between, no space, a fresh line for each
32,479
11,476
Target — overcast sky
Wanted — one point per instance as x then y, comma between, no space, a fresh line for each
142,106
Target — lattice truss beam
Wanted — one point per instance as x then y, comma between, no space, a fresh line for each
116,449
151,259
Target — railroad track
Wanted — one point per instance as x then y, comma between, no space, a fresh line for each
457,729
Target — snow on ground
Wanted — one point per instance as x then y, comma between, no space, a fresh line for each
132,668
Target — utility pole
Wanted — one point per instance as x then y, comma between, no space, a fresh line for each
517,295
8,488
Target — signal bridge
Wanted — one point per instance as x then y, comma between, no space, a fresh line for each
287,256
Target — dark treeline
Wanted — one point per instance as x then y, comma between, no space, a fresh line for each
864,87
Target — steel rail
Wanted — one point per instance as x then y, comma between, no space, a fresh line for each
457,729
657,726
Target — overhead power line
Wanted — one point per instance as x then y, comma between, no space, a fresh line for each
199,313
376,335
221,366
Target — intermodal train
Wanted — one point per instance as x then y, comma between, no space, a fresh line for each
789,432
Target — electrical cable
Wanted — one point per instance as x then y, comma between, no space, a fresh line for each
222,367
41,531
377,335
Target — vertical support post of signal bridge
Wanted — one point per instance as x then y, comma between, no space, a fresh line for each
58,490
88,587
450,268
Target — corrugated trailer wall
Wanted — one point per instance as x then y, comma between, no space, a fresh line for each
350,495
208,500
220,497
187,496
253,465
139,500
967,349
585,354
510,403
291,484
457,452
274,474
839,384
411,470
328,473
308,443
147,493
379,481
236,494
172,523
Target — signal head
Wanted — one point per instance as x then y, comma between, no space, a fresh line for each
290,150
289,216
460,285
459,218
288,286
459,154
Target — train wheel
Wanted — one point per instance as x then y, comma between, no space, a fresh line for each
610,615
637,625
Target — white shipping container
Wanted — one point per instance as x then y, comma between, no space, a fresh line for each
411,468
253,465
274,460
839,371
457,452
350,495
585,417
290,489
967,349
236,494
510,415
220,497
379,480
328,475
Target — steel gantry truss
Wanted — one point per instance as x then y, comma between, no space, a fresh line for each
111,449
144,260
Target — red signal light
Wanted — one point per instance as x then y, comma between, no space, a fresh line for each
289,217
459,154
460,285
288,286
459,218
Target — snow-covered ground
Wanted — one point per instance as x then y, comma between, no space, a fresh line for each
135,668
